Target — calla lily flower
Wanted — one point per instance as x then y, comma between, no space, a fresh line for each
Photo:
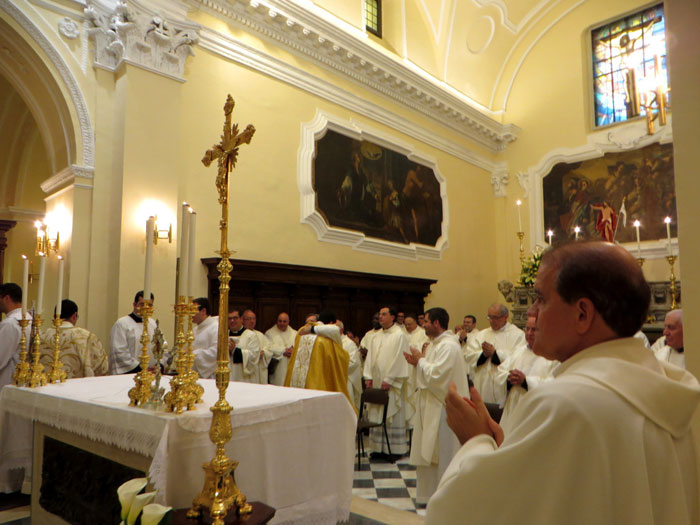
140,501
154,513
127,492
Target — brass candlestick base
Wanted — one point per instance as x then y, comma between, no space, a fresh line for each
220,492
194,390
521,236
21,375
178,398
56,373
37,375
141,393
671,262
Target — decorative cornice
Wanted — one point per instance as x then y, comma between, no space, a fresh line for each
66,177
306,33
499,181
135,34
524,181
310,215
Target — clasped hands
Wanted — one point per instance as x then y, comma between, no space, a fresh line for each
469,417
414,356
488,349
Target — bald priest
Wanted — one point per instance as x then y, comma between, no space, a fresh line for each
608,441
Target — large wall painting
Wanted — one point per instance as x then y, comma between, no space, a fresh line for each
371,189
590,194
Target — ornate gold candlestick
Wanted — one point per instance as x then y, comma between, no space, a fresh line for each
141,393
176,400
37,375
671,262
194,390
56,373
521,236
21,375
220,492
159,347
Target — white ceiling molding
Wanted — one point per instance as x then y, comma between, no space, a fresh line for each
314,130
315,38
632,135
67,177
499,181
283,71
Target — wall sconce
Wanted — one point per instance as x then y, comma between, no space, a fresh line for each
162,234
44,242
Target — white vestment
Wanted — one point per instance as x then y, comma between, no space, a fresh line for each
670,355
265,358
365,342
125,344
434,444
661,341
205,346
10,335
537,370
608,441
248,371
386,363
279,342
465,344
416,339
506,340
354,370
642,337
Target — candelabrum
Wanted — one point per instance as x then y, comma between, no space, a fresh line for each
194,389
56,373
141,392
37,376
159,347
178,398
220,493
521,236
671,262
21,375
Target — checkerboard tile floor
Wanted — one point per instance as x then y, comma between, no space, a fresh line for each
392,484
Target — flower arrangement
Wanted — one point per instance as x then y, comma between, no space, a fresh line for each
531,265
137,508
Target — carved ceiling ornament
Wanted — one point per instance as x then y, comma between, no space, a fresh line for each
68,28
524,180
499,181
128,33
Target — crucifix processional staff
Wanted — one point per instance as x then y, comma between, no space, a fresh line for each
220,492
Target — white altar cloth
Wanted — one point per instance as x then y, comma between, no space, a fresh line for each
295,447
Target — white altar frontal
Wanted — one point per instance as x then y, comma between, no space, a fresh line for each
295,447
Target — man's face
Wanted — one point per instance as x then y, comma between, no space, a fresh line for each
313,318
249,320
410,323
468,324
530,329
234,321
385,318
139,304
430,327
200,316
421,319
673,331
496,319
282,322
4,304
556,319
375,321
400,317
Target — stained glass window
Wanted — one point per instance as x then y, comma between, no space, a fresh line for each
373,16
624,54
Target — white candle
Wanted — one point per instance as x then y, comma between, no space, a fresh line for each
184,246
576,232
520,220
61,262
190,252
40,292
25,285
667,220
150,226
637,224
550,233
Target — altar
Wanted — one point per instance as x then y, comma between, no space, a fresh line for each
295,447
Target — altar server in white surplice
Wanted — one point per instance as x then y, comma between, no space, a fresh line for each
523,372
416,339
489,349
281,337
608,441
367,338
354,366
434,444
671,350
10,330
206,339
386,368
245,355
125,340
249,320
468,331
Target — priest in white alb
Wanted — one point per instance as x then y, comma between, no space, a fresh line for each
249,321
672,350
416,339
281,337
489,349
206,338
354,366
386,368
434,444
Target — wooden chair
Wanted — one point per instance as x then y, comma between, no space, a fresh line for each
373,396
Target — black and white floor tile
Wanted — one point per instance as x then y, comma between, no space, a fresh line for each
392,484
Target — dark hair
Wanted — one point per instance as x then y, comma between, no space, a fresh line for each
470,316
392,310
68,308
608,276
440,315
139,295
411,315
327,317
203,302
311,314
13,290
232,310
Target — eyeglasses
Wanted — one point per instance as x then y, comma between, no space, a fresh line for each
493,317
